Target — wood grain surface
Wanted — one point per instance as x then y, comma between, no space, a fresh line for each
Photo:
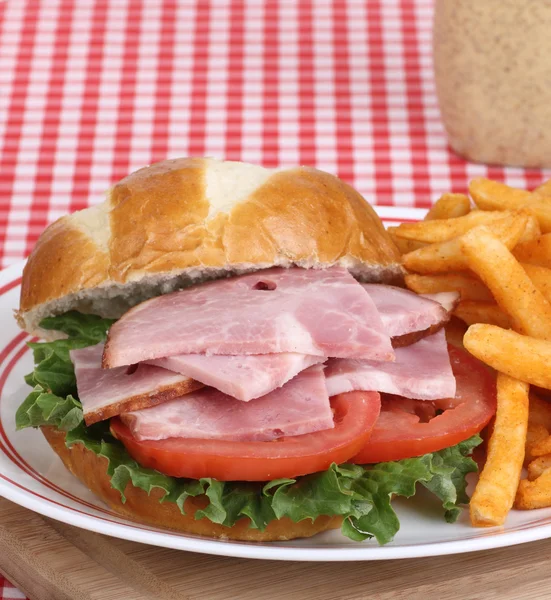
49,560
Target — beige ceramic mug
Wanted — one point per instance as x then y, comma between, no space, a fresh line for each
492,63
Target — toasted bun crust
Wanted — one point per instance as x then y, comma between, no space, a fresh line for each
186,220
92,471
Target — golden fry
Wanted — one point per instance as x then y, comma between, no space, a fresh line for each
541,278
449,251
541,447
538,466
442,230
469,287
497,485
534,494
535,252
544,189
540,411
449,206
404,246
542,211
532,230
448,256
472,312
534,434
492,195
517,355
511,287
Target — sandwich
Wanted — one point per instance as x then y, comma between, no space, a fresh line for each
229,351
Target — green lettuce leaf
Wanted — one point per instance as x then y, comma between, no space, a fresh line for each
77,326
360,494
451,467
53,367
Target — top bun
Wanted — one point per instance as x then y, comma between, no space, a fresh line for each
186,220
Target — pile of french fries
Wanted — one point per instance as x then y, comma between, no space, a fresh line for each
494,247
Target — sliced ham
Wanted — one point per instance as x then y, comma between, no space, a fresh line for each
409,317
317,312
242,377
300,406
403,311
421,371
105,393
449,300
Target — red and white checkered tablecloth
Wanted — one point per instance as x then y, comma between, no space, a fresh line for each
9,592
92,89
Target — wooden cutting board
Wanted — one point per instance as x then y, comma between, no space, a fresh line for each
52,561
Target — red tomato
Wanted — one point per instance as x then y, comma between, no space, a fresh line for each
409,428
355,414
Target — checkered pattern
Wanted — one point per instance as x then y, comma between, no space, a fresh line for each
92,89
8,592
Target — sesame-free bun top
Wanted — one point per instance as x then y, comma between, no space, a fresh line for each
186,220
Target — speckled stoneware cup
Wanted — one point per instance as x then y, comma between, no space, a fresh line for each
492,63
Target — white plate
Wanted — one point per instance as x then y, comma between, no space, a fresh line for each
32,475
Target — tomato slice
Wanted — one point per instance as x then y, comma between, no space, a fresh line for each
409,428
355,414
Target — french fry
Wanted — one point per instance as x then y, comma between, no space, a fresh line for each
540,411
532,231
442,230
517,355
499,260
538,466
469,287
544,189
541,278
534,494
436,258
497,485
541,447
404,246
535,252
534,434
542,211
539,426
509,283
492,195
448,256
471,312
449,206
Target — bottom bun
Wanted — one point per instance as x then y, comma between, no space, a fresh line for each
91,469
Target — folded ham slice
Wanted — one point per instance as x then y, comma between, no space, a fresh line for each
421,371
317,312
242,377
408,317
105,393
403,311
300,406
449,300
